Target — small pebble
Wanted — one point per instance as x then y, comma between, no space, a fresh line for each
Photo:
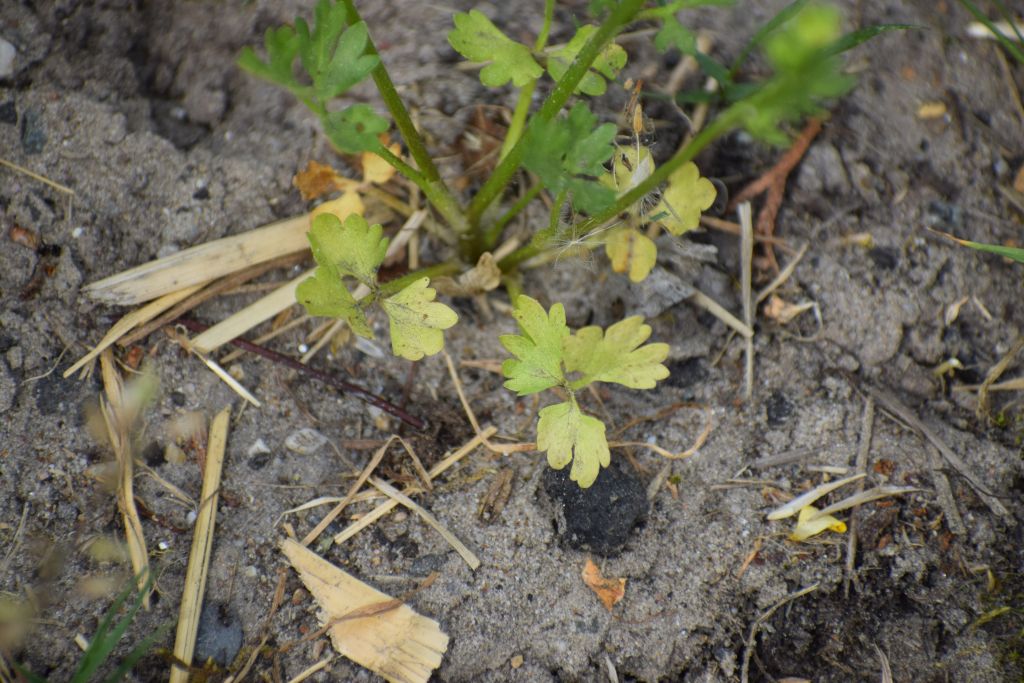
7,55
33,134
305,441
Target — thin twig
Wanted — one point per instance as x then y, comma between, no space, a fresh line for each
339,384
867,425
746,265
891,404
748,649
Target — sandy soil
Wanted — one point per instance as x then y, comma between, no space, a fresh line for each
139,109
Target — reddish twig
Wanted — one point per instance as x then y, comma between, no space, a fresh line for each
319,375
773,184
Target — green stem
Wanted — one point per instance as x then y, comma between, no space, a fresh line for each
399,283
673,7
518,123
440,195
721,125
522,110
493,231
399,165
564,88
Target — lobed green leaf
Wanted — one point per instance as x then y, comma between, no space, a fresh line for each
616,355
417,320
355,128
605,68
570,436
282,45
566,153
476,38
538,349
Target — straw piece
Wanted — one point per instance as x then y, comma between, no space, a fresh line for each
249,317
202,544
202,263
352,491
367,626
132,320
800,502
389,505
396,495
746,263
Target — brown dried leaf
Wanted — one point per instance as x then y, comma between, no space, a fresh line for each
483,277
319,179
610,591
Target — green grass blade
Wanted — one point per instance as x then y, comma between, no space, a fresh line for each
28,675
787,13
138,652
1009,19
1010,46
105,639
855,38
1013,253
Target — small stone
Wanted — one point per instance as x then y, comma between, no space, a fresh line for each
7,55
9,113
33,134
778,409
305,441
516,661
600,518
8,388
220,635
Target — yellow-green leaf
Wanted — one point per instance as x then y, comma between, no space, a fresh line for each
686,196
354,247
538,350
476,38
631,252
325,294
570,436
417,320
606,66
615,355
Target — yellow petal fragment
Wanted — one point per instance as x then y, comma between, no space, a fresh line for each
631,252
342,207
376,170
808,526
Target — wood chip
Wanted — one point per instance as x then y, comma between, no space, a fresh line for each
369,627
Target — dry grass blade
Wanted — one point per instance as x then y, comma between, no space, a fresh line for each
709,426
202,263
867,430
389,505
396,495
217,288
118,417
130,321
352,491
891,404
716,309
202,544
249,317
800,502
995,372
367,626
862,497
746,266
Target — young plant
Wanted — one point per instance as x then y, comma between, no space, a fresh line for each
616,195
107,636
547,356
